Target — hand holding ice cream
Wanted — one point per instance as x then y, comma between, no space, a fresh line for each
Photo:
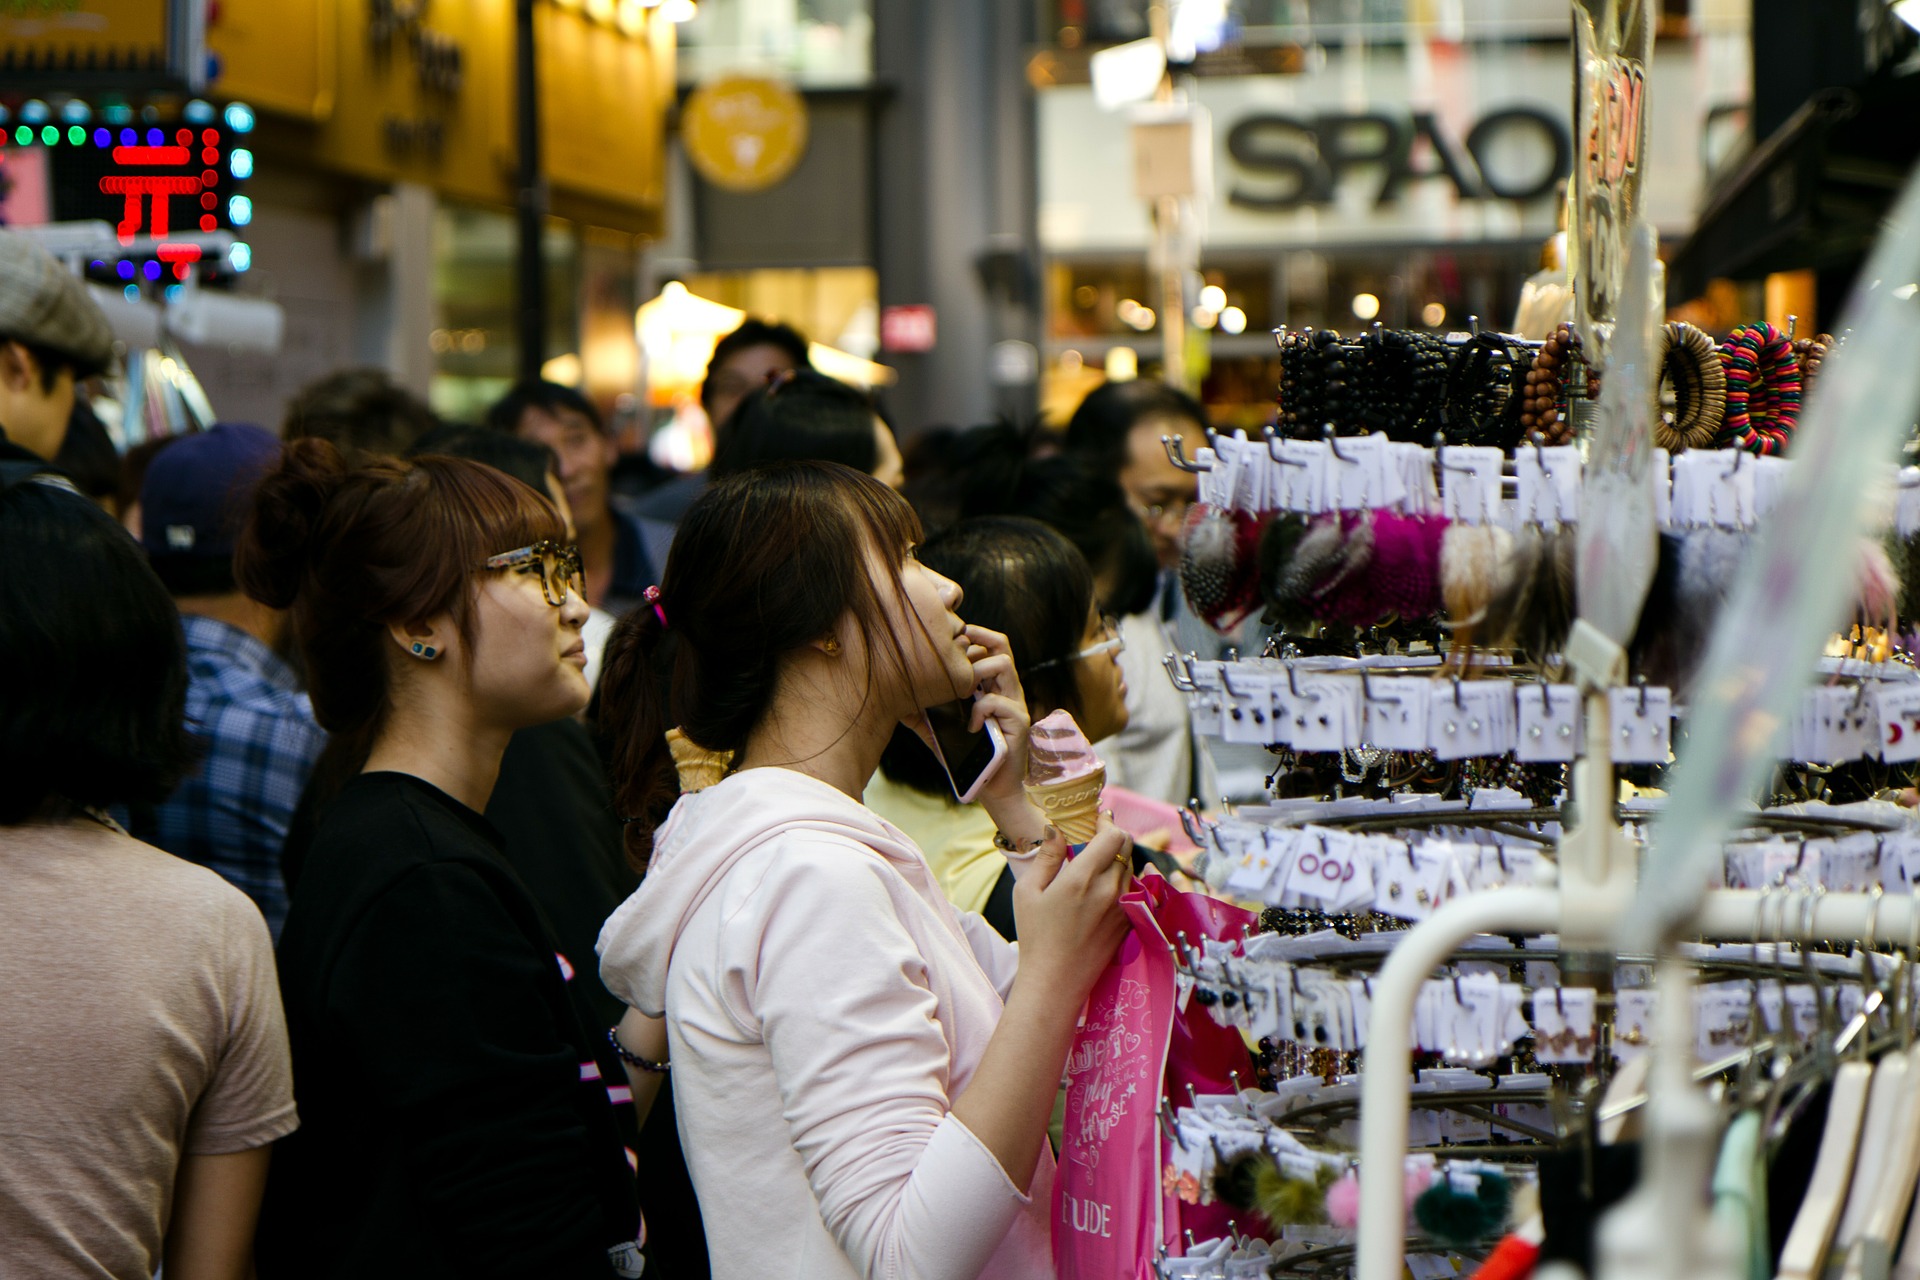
1064,777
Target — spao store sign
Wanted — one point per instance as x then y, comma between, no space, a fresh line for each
1283,162
1348,156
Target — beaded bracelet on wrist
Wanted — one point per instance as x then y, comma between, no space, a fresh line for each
633,1059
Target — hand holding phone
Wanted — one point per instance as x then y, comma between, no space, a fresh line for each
970,756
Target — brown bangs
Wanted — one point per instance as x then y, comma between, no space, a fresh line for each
468,512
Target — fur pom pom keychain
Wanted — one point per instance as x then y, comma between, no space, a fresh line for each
1253,1182
1455,1218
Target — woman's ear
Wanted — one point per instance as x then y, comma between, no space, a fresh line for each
420,640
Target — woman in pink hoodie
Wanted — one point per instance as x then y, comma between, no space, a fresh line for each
863,1076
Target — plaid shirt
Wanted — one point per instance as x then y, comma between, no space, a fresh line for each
260,740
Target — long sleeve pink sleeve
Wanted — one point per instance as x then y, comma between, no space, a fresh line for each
850,1008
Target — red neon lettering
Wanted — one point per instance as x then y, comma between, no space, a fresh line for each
150,155
158,188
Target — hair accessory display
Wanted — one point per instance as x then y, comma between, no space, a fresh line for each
652,596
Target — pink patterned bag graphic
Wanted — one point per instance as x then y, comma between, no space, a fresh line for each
1114,1210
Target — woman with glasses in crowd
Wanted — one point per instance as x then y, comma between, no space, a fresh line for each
455,1121
1026,581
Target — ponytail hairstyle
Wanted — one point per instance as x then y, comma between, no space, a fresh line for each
353,551
765,563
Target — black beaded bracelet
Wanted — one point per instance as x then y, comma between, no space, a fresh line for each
633,1059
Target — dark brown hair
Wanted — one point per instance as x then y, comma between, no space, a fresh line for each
352,551
764,563
362,412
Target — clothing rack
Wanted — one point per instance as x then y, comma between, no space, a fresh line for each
1726,915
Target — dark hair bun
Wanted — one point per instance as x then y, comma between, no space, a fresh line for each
274,551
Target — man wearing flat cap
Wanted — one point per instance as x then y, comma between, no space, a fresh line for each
52,335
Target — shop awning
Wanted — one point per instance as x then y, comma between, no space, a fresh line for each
1811,196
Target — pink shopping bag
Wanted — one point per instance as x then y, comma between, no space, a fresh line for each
1114,1208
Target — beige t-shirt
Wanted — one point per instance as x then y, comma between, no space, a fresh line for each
140,1022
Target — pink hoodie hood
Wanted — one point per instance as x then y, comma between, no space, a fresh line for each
703,838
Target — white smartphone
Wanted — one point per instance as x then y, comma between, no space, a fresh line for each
970,758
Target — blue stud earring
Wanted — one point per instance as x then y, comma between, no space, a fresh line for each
426,651
417,648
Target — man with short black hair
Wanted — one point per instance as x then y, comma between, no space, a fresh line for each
257,730
363,413
613,551
52,336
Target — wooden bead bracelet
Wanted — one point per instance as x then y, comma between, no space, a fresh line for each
1689,363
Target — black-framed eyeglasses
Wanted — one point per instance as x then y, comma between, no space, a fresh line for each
1109,627
557,563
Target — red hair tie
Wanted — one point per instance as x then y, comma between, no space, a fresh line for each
652,596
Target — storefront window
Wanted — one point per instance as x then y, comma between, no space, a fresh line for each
817,44
475,347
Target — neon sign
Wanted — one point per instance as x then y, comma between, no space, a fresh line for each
161,185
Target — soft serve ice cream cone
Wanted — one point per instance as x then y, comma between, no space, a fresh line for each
698,767
1064,777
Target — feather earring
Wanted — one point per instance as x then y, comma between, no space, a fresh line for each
1218,565
1279,542
1474,561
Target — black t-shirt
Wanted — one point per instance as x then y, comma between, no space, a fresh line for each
554,812
452,1118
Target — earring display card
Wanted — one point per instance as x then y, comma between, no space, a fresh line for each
1564,1019
1633,1018
1300,474
1412,884
1470,718
1713,488
1396,717
1247,711
1897,707
1723,1020
1549,723
1642,724
1548,483
1470,484
1835,724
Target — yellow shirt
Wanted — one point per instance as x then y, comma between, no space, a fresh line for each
957,839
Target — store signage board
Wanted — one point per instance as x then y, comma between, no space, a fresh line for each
744,133
1613,44
93,45
907,329
1471,152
